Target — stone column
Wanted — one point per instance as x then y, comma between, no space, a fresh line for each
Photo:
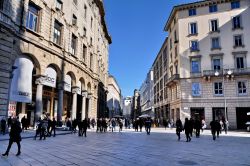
84,96
60,102
39,98
74,102
90,105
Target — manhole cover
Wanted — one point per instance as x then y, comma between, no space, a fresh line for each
187,162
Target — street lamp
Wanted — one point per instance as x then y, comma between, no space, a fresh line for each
217,73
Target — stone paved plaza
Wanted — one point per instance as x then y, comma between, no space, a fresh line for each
129,148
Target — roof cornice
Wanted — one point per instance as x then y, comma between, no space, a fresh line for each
189,6
99,4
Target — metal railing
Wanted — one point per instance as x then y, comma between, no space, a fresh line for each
172,78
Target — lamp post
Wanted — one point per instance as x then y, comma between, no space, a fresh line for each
217,73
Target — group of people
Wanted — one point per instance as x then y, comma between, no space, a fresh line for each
190,125
45,127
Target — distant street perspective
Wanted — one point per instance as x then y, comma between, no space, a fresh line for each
132,148
128,82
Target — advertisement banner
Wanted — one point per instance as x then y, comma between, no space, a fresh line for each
21,84
50,77
79,85
67,83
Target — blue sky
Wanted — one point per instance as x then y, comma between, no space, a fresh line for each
136,27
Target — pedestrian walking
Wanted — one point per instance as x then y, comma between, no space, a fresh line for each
218,128
39,128
93,123
3,126
191,125
53,127
44,127
74,125
24,123
98,128
136,125
179,128
187,128
165,123
49,127
80,128
113,124
85,127
148,123
15,136
197,127
213,127
120,125
204,125
141,124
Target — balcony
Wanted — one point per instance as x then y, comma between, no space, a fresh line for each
235,72
173,79
243,71
211,73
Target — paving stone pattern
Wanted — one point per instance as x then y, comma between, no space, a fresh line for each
128,148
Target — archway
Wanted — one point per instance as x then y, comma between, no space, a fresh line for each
69,101
23,89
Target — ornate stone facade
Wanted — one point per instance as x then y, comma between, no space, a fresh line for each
70,38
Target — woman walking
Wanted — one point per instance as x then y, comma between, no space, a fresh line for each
179,128
187,128
15,136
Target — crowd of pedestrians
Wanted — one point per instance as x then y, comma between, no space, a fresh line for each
197,125
45,127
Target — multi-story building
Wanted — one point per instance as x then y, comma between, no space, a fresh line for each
208,67
147,95
126,107
54,58
135,105
160,72
113,97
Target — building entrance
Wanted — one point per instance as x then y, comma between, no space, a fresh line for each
241,117
197,113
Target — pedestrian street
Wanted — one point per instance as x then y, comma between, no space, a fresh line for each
129,148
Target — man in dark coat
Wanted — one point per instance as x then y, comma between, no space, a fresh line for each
15,136
213,126
53,127
187,128
141,124
98,128
3,126
24,123
80,126
85,127
197,127
179,128
148,123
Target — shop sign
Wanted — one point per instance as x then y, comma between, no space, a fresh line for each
21,84
50,77
79,89
12,108
67,83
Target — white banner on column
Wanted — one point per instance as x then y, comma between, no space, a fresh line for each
79,85
50,77
21,85
67,83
